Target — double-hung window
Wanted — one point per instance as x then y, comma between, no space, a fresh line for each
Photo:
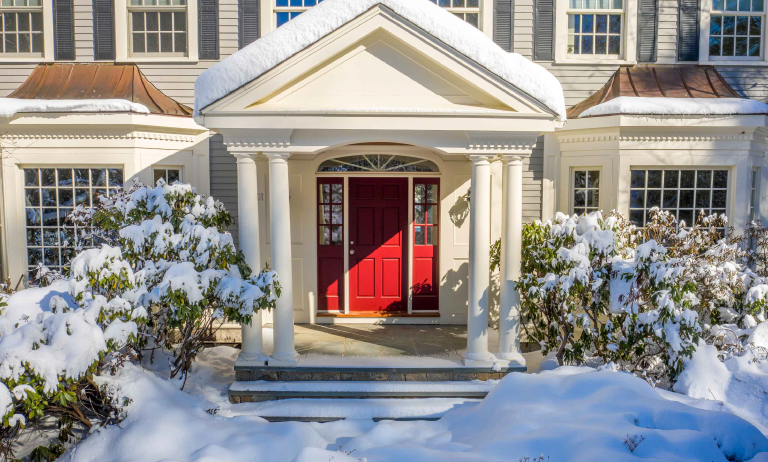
158,27
736,28
467,10
22,27
595,27
586,191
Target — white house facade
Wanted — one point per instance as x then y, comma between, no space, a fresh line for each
373,151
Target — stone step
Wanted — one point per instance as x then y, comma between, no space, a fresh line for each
377,374
258,391
330,410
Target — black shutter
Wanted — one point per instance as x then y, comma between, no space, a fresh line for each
503,15
249,21
647,29
208,30
63,30
103,29
544,30
688,35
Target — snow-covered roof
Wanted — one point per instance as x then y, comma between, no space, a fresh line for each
629,105
11,106
266,53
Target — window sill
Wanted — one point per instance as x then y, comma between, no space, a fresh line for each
25,60
156,59
734,62
608,62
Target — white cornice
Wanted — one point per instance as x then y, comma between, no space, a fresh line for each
101,136
590,138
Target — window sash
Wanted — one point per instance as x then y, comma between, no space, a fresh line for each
32,38
686,198
590,190
594,34
175,34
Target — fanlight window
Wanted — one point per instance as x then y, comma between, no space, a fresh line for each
378,163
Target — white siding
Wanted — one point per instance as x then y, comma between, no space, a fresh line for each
751,82
83,10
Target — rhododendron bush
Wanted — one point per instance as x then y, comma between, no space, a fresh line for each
165,274
596,287
184,268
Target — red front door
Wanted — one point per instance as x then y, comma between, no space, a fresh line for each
378,216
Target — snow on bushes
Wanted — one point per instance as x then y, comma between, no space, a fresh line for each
50,350
173,260
590,286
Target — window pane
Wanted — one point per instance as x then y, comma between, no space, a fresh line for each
337,214
687,178
23,21
153,43
31,177
49,197
325,193
419,194
580,179
32,197
418,214
579,198
48,176
166,21
99,177
137,20
637,199
431,211
703,179
432,235
587,23
686,199
671,178
116,177
159,175
637,179
601,24
654,178
166,42
325,235
152,21
418,235
720,179
432,193
324,214
173,176
337,195
336,235
593,199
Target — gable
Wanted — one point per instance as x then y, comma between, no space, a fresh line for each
424,22
380,64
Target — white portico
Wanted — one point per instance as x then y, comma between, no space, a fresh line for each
375,163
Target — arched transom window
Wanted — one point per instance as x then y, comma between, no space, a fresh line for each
378,163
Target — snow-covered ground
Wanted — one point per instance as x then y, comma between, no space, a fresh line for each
565,414
719,413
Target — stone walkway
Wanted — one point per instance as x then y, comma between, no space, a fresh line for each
383,340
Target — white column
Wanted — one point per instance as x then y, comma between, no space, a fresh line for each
248,233
479,262
280,226
511,244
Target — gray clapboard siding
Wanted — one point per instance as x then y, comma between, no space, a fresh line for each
13,75
83,30
224,179
666,47
533,172
751,82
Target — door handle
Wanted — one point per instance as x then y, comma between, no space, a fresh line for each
351,242
352,251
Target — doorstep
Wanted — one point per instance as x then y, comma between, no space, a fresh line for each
268,391
247,373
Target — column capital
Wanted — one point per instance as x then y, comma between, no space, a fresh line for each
245,156
511,159
480,158
277,156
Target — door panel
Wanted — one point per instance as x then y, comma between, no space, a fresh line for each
377,226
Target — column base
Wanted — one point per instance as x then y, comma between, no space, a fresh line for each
511,359
251,360
479,359
272,362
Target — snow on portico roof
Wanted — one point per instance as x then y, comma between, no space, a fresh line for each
269,51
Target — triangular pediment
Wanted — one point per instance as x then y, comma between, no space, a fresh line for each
378,63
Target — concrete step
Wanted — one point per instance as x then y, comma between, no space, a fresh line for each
258,391
303,373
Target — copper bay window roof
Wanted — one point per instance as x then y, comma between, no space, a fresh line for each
97,81
686,81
